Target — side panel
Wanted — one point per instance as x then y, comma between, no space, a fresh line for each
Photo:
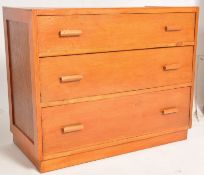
20,77
23,81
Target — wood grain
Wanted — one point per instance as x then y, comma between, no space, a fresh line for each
112,143
25,145
28,62
111,96
113,72
109,11
113,119
112,33
20,77
88,156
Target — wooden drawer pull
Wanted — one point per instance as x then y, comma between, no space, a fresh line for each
73,128
171,67
169,111
70,33
172,28
72,78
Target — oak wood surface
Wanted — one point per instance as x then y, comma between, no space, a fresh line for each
39,11
114,72
24,17
64,161
114,95
112,143
25,144
20,77
107,11
115,32
113,119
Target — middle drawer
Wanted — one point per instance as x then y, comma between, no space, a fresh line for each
68,77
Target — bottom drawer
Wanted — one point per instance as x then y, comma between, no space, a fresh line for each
78,125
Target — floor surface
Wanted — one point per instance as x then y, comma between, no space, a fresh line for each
180,158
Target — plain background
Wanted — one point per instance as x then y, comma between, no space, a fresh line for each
5,135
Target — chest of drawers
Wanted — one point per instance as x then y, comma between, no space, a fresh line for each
86,84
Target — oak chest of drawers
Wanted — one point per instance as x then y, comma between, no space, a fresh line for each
86,84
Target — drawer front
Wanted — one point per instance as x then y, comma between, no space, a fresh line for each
69,77
61,35
79,125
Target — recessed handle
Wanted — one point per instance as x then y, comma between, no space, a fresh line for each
71,78
169,111
173,28
73,128
171,67
70,33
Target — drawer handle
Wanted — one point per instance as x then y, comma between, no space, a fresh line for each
169,111
72,78
171,67
73,128
172,28
70,33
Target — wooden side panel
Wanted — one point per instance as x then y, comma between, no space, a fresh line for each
20,77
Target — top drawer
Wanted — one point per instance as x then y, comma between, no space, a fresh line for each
74,34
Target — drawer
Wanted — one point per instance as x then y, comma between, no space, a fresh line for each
69,77
80,125
73,34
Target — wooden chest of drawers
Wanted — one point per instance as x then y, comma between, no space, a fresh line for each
86,84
